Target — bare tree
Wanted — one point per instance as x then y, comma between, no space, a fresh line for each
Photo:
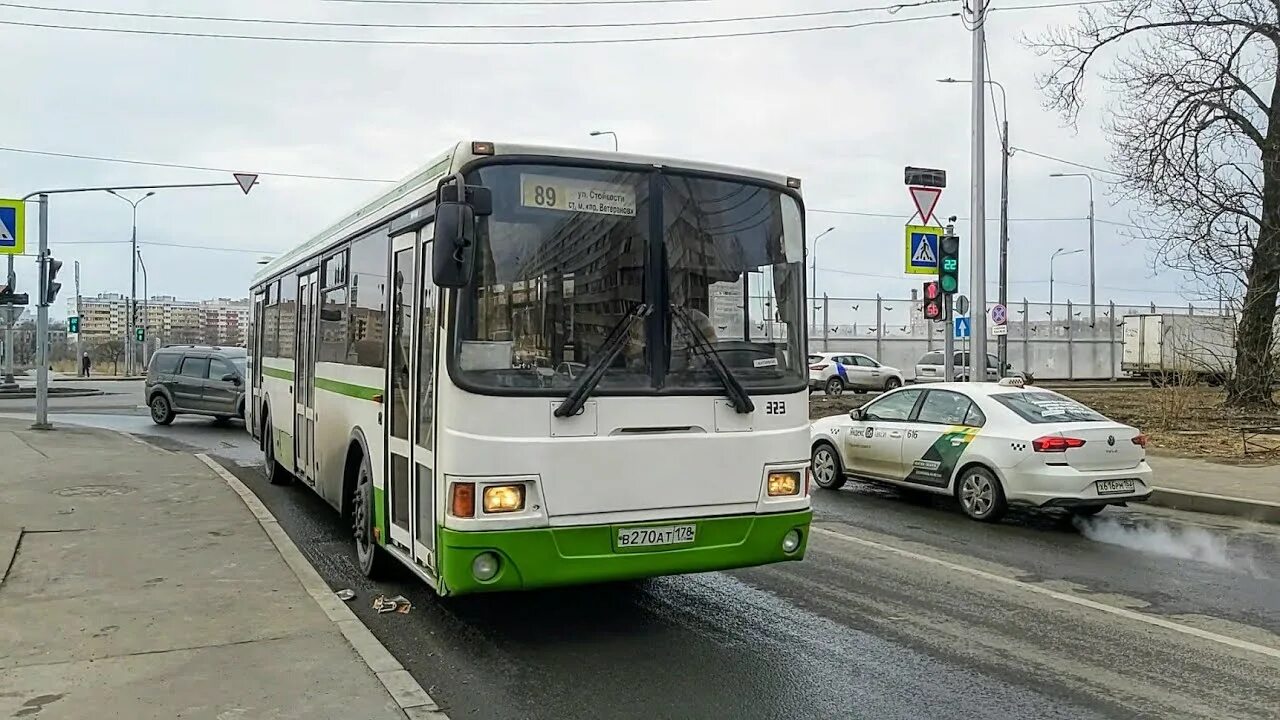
1193,135
110,350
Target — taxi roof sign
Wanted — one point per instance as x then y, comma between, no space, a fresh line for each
12,227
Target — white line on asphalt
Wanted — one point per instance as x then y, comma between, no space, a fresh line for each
1062,596
406,691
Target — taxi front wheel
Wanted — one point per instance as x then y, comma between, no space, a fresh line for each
980,494
828,472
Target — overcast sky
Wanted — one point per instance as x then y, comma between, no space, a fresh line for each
844,109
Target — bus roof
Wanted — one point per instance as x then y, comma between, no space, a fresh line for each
422,183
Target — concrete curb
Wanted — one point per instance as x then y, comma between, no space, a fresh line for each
408,694
1257,510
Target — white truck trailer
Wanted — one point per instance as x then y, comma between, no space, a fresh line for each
1170,348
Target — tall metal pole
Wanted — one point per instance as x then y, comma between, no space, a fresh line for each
1002,341
79,330
8,380
42,323
978,203
1093,265
813,284
133,294
948,333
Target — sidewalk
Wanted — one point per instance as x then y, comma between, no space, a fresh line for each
135,583
1188,484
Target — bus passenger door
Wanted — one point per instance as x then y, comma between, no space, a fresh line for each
424,496
400,394
255,363
304,380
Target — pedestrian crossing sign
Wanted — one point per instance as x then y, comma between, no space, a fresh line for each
922,249
12,230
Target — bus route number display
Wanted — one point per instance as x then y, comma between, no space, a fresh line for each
570,195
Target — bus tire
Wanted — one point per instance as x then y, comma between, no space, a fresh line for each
368,554
275,473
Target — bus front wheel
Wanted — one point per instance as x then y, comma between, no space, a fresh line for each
275,473
362,519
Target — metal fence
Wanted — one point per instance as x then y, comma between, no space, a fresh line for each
1059,341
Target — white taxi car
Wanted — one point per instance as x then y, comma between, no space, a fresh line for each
990,445
835,372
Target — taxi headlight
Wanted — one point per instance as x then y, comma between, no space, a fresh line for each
503,498
784,483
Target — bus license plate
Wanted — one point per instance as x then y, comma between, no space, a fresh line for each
1114,487
668,535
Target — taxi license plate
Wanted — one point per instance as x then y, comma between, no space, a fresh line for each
1114,487
648,536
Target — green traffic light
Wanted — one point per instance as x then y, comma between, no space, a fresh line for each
949,284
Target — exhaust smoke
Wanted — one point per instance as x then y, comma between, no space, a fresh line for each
1184,543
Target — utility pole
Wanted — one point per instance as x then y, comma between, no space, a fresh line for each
42,322
978,203
79,321
132,309
1002,341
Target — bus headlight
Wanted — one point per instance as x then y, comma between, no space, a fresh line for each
503,498
790,541
784,483
485,566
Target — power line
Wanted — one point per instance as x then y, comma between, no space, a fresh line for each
154,243
183,166
525,3
476,43
1067,162
487,26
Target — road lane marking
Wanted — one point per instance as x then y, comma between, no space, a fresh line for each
1061,596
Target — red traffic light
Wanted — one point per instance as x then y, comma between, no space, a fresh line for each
931,290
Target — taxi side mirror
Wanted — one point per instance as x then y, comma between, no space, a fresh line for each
857,414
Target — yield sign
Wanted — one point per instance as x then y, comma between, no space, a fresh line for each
926,199
248,180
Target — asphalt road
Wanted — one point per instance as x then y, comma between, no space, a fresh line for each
902,609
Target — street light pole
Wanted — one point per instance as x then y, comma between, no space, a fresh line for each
814,283
597,133
1054,256
8,380
133,282
1093,265
978,202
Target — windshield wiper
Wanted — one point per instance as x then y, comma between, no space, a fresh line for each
737,394
609,349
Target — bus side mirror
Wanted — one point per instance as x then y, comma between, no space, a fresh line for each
453,260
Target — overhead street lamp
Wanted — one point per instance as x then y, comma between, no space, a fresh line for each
1093,264
813,285
1002,341
1054,256
597,133
133,281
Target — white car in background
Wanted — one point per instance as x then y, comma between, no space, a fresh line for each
990,445
834,372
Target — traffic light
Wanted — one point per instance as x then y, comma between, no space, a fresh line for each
140,334
73,325
51,285
934,307
949,264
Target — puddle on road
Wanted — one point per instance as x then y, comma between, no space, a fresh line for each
1161,538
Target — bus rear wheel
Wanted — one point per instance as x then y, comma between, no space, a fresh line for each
362,518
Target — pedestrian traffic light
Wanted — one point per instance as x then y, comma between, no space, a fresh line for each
949,264
140,334
73,325
51,285
934,307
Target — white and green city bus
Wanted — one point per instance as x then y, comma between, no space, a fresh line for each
582,367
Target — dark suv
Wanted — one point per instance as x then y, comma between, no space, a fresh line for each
196,380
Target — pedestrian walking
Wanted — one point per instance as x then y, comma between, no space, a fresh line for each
85,365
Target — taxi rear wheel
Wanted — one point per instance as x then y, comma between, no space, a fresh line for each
980,494
828,471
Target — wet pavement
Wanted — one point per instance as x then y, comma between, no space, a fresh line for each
902,609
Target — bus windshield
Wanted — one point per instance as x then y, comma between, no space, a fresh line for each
569,251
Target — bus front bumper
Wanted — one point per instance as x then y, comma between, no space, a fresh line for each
545,557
